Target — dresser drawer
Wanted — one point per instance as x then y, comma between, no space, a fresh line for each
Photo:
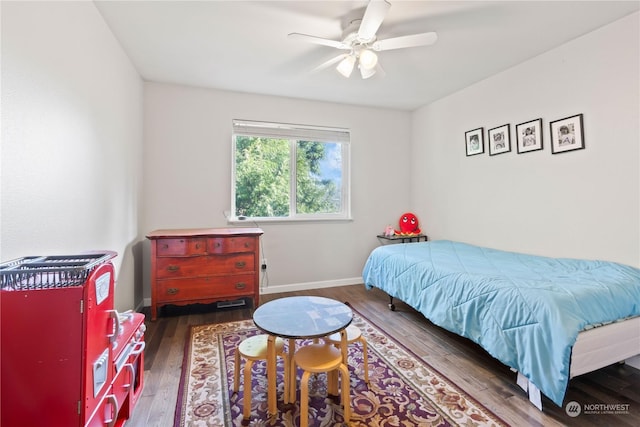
174,267
181,246
202,288
226,245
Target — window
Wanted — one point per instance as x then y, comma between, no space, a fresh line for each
289,172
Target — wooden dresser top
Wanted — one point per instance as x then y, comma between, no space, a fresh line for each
191,232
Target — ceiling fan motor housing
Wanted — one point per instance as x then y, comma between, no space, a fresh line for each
350,34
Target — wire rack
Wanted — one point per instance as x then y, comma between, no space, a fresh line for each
47,272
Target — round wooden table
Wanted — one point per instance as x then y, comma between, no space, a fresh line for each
297,318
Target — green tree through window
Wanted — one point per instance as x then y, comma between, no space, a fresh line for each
262,177
317,192
269,184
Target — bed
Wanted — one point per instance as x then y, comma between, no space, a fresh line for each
548,319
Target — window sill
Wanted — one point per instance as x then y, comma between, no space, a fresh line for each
256,221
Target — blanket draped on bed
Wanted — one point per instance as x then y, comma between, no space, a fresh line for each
525,310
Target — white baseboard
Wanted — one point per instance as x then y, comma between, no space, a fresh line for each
271,289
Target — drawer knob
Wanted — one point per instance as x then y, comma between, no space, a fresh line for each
173,268
240,264
172,291
241,285
246,244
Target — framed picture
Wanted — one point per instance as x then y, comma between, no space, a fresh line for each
499,140
529,136
474,141
567,134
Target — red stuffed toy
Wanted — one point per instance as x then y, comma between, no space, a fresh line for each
408,225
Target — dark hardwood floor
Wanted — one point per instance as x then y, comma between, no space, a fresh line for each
463,362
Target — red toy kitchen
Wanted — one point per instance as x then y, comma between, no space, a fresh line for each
67,357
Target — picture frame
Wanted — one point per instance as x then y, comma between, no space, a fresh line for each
474,141
567,134
499,140
529,136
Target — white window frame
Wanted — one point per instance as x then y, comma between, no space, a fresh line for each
294,133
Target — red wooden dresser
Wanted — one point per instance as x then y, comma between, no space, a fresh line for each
204,265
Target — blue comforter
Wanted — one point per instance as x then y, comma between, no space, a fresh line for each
525,310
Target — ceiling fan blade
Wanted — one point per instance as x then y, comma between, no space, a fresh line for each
422,39
319,40
373,17
330,62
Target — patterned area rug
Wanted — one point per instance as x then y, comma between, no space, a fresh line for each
404,390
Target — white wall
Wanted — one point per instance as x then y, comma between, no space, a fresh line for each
72,157
71,137
187,177
583,204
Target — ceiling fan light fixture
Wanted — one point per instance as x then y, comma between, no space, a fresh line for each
345,67
367,72
359,38
368,59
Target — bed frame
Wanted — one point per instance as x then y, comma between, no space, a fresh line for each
595,348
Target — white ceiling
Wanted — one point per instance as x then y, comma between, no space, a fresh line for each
243,45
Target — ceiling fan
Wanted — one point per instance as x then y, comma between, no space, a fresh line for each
361,42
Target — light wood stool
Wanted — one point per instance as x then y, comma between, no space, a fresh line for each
316,358
353,334
253,349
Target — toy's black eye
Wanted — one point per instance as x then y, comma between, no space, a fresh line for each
405,219
413,220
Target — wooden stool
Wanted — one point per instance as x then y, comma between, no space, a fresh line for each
316,358
353,334
253,349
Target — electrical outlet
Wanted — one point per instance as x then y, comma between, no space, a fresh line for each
264,264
